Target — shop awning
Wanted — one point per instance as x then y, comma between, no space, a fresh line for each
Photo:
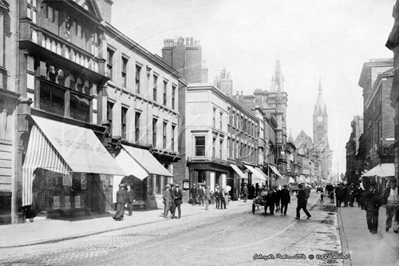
140,163
255,172
382,170
238,171
291,180
274,169
63,148
302,179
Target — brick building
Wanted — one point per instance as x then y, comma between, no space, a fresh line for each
376,81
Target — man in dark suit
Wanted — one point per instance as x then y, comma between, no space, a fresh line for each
201,195
285,199
194,193
177,197
167,198
222,199
302,201
121,200
130,198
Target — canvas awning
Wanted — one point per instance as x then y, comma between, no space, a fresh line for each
291,180
256,172
63,148
382,170
140,163
238,171
302,179
274,169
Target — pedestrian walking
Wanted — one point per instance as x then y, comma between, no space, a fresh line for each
321,197
172,206
177,197
194,193
130,198
121,200
245,192
372,201
201,195
302,202
207,197
270,199
217,198
285,199
278,197
222,199
167,198
391,197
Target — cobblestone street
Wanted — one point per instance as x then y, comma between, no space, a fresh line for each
212,238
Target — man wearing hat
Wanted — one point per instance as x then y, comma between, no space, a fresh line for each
167,198
373,201
391,197
177,197
121,200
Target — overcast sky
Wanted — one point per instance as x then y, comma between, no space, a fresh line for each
331,39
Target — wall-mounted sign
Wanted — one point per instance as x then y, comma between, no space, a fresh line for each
83,181
67,180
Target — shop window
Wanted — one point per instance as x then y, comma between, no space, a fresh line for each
124,71
173,137
165,125
199,146
173,96
138,72
80,108
123,122
154,132
110,55
110,106
137,126
154,89
165,88
52,99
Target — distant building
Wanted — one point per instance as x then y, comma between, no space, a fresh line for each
354,165
321,147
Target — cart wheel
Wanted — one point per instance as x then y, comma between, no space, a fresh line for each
253,208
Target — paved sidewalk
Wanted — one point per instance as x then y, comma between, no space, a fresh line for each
44,230
363,247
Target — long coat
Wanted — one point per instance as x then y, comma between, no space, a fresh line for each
301,198
285,196
130,195
121,197
177,195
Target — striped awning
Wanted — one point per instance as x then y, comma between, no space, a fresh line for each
238,171
40,154
64,148
255,172
274,169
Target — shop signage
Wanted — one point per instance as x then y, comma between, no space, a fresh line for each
83,180
56,202
77,202
49,180
67,202
76,144
67,180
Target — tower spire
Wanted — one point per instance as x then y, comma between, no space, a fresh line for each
320,106
278,80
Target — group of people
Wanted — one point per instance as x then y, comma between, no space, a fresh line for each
372,200
125,195
276,199
204,196
172,200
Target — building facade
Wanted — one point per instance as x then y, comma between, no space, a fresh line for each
9,100
354,166
376,81
141,113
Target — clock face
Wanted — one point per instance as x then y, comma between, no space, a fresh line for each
320,119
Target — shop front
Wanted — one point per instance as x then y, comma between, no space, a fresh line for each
145,174
66,171
214,174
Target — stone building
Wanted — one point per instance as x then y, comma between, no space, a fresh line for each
393,44
10,97
376,81
321,148
354,165
141,113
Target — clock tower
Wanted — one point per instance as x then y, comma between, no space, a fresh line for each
321,149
